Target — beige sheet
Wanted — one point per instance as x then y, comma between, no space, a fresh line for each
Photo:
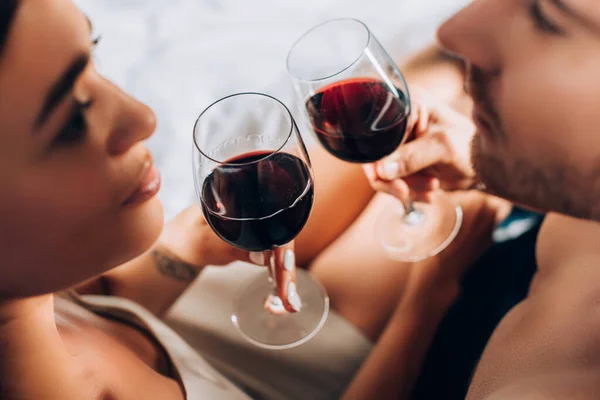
319,369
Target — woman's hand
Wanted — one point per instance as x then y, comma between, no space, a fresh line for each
157,278
437,155
191,239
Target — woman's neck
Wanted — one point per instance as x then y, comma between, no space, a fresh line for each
33,360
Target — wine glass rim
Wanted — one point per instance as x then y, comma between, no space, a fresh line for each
287,139
314,28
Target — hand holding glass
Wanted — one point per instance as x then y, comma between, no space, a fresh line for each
358,105
255,184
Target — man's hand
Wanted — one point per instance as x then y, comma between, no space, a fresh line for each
438,153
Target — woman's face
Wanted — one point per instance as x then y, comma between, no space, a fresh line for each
77,186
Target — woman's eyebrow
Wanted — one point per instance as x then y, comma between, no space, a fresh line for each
61,88
64,85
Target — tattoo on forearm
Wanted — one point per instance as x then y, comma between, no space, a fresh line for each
168,265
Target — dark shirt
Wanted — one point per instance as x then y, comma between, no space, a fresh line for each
498,281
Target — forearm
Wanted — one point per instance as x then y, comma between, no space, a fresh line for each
392,368
431,288
154,280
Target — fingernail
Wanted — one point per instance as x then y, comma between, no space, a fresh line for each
390,169
289,260
274,305
257,258
293,297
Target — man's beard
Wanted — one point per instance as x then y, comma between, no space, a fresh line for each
532,180
552,187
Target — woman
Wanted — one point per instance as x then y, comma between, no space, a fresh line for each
78,198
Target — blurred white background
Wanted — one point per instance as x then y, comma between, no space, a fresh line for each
178,56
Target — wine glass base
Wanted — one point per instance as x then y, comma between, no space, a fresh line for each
424,234
280,331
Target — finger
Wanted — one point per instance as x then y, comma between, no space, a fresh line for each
284,260
396,188
422,183
258,258
422,122
399,189
415,123
371,173
420,113
462,184
412,158
415,188
424,197
413,120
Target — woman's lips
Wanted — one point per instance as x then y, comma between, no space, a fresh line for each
148,187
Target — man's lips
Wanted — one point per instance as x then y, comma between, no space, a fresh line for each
484,114
147,186
483,120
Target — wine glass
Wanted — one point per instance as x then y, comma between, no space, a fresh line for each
358,105
255,184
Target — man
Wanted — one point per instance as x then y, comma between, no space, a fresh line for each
537,144
533,75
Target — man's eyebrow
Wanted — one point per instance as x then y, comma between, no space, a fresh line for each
592,25
61,88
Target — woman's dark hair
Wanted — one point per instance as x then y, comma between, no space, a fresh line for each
7,12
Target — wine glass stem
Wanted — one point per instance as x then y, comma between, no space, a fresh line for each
271,277
273,286
412,216
274,302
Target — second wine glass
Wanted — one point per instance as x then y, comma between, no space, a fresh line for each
358,105
255,184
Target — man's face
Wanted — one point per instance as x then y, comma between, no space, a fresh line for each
534,73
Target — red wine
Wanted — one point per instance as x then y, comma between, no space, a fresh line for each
257,204
358,120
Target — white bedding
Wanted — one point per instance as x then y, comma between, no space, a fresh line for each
179,56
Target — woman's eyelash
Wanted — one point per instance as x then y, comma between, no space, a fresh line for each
76,127
541,22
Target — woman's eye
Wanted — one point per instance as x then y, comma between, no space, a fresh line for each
76,128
